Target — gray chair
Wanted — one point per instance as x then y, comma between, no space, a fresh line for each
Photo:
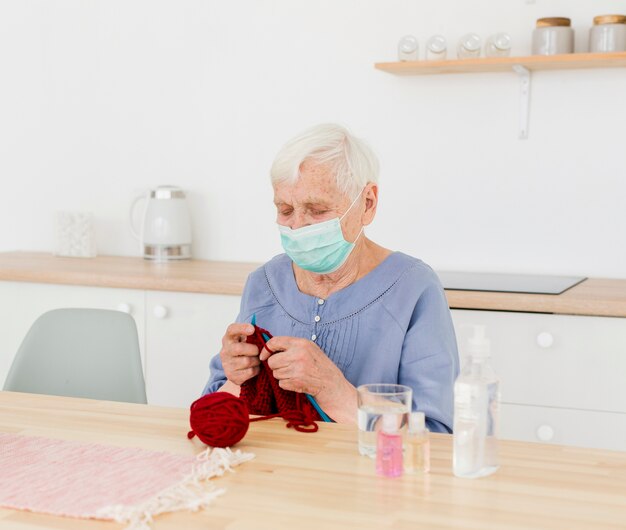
90,353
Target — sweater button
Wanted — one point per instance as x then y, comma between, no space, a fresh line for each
317,318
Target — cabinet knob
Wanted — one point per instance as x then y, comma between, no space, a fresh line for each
125,308
545,433
160,311
545,339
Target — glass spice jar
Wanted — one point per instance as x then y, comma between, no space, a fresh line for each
408,48
498,45
469,46
436,48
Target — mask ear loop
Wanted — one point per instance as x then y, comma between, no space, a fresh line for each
350,208
353,203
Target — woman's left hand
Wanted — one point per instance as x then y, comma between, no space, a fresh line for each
300,365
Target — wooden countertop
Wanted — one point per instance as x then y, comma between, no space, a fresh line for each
601,297
191,276
314,481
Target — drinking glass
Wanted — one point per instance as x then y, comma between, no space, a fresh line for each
374,400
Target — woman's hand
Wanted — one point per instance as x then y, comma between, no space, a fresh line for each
240,360
301,366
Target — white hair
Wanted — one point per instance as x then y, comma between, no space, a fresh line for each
349,158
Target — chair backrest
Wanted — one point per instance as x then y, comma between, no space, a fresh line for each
91,353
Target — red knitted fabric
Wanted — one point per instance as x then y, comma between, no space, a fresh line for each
263,395
221,419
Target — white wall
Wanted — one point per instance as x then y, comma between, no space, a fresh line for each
99,99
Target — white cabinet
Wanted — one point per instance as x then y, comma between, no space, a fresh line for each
562,377
178,332
582,428
183,332
21,303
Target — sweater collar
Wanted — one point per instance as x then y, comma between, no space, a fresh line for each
341,304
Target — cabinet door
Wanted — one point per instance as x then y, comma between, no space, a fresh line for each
599,430
183,332
575,362
21,303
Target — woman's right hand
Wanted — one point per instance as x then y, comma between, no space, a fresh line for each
240,360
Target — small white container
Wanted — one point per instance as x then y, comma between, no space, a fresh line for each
75,235
553,36
436,48
608,34
408,48
498,45
469,46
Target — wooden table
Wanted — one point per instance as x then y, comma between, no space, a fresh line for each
318,481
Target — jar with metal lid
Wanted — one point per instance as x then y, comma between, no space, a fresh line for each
469,46
553,36
498,45
436,48
608,34
408,48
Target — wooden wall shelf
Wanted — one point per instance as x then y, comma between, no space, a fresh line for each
522,66
569,61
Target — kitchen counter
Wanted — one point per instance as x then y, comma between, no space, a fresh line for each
594,296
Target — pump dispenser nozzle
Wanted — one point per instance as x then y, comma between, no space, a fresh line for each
479,344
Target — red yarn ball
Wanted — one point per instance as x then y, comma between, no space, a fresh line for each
219,419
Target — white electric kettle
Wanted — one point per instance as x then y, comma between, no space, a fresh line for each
165,232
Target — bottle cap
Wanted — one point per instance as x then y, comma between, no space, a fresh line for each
417,422
390,423
479,345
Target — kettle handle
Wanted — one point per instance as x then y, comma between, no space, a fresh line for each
131,221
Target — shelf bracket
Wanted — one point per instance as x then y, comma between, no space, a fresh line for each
524,110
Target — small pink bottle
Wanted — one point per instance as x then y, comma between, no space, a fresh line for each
389,448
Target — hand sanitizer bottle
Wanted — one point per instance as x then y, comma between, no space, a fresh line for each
389,448
476,408
418,445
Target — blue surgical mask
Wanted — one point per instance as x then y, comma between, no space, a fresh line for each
319,248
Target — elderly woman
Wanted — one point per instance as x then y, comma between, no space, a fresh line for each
343,311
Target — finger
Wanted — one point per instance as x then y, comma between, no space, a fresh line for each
282,373
264,354
271,350
243,363
291,384
237,332
278,360
280,343
242,349
241,376
234,365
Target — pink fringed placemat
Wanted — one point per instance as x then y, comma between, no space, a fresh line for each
89,480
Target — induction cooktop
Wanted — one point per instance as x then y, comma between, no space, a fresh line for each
508,283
